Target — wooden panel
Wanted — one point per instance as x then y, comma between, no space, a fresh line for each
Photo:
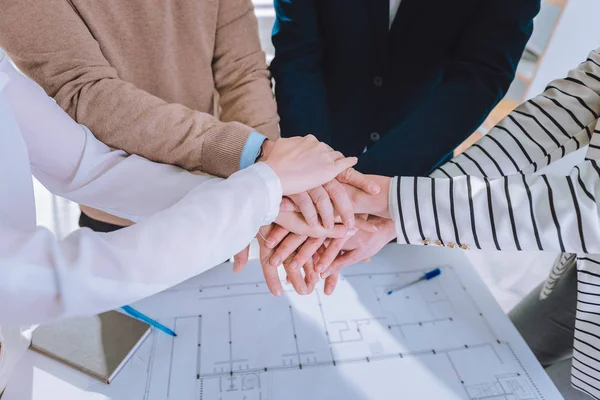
468,143
502,110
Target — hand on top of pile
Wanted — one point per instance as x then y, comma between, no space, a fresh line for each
314,227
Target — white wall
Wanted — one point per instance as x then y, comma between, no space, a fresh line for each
577,33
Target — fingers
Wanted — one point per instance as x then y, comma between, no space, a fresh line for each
272,278
287,205
320,252
330,283
329,255
307,207
345,163
306,252
358,180
295,277
275,237
336,155
339,231
320,198
241,259
286,248
345,260
269,271
310,276
294,222
365,225
342,202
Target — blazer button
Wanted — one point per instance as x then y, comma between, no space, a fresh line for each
378,81
374,136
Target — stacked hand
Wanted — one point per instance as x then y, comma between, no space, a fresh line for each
319,230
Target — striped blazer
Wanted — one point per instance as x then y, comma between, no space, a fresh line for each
489,198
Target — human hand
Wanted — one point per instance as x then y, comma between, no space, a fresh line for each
367,203
303,163
286,243
297,248
295,222
275,234
302,285
331,199
360,247
296,251
241,259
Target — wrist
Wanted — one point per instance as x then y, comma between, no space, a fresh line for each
377,204
265,150
382,205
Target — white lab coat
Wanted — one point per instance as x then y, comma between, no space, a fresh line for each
196,221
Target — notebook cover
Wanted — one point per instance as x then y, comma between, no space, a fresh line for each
98,345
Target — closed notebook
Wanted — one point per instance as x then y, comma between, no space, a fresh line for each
99,345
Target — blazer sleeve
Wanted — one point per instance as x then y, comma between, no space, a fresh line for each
475,79
488,198
298,70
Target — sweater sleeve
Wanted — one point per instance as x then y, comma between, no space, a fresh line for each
240,70
51,44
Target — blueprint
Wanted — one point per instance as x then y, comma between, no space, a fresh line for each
440,339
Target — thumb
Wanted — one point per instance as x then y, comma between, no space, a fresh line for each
287,205
340,231
368,226
360,181
241,259
343,261
344,163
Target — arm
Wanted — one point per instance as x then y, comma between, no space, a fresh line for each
474,81
517,212
241,74
67,159
86,273
539,131
496,205
50,43
298,70
490,210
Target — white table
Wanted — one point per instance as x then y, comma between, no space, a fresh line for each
442,339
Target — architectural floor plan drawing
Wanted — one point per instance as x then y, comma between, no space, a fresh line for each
440,339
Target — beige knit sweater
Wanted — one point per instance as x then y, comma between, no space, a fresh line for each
147,76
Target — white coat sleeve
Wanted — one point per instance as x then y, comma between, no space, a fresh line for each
88,272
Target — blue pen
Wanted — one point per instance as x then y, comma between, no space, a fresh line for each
136,314
428,276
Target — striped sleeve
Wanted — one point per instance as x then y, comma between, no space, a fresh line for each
487,197
585,372
539,131
518,212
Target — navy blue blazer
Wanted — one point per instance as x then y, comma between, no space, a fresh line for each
410,94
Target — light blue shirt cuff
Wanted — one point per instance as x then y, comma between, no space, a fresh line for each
251,149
